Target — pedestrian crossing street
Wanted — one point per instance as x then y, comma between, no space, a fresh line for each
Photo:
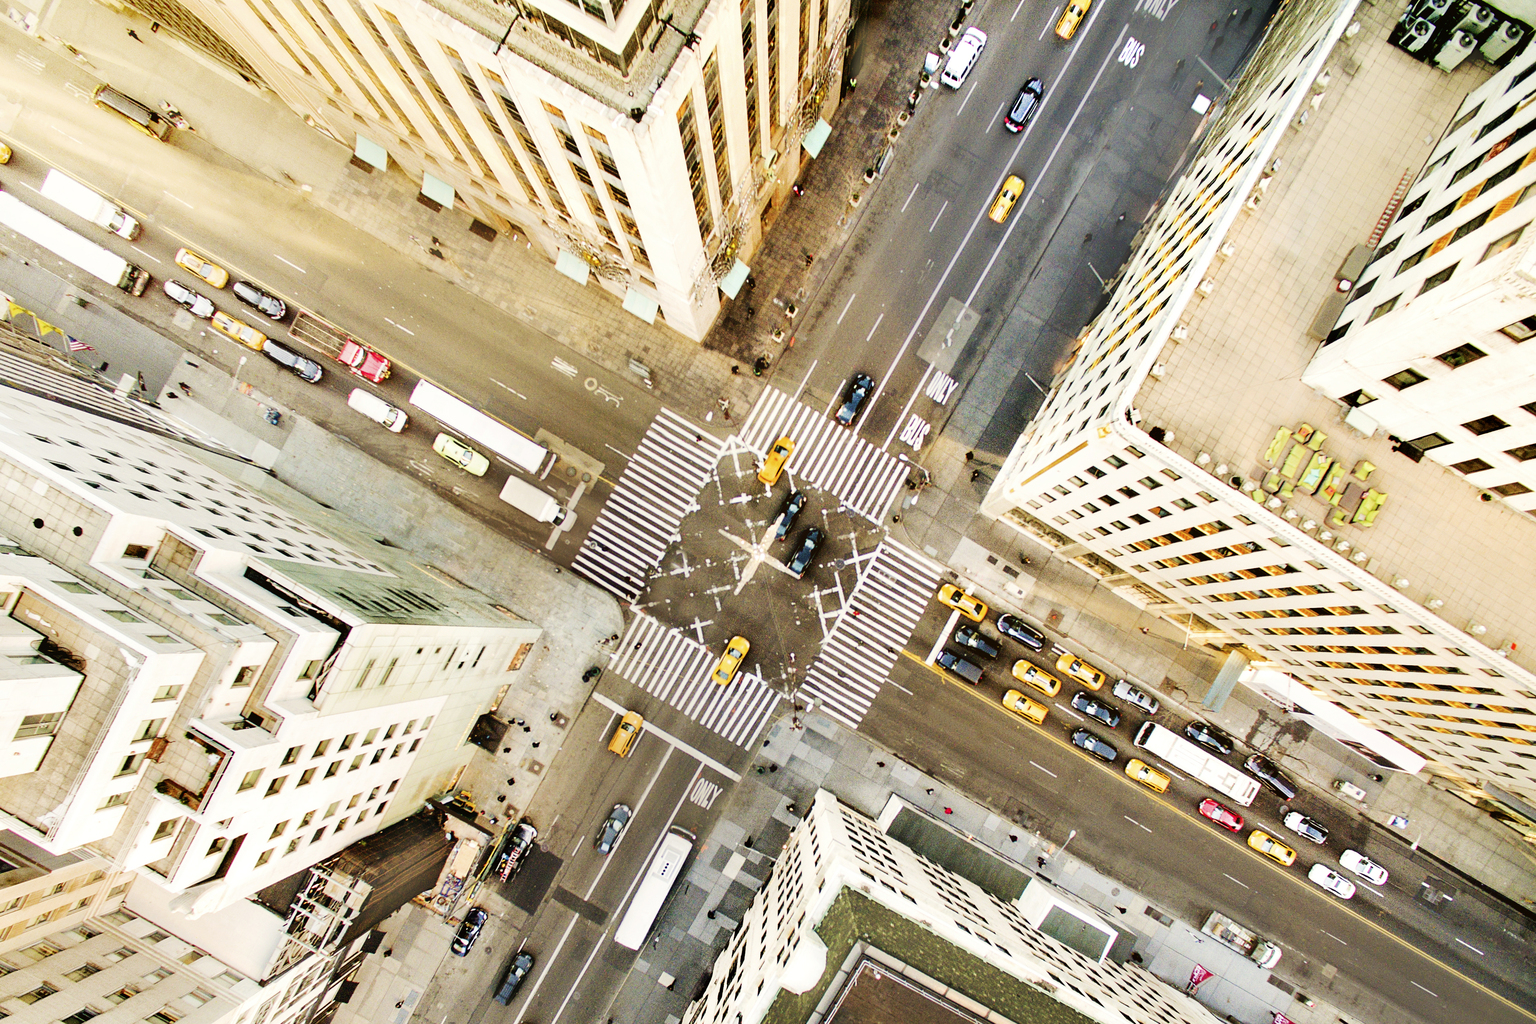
827,456
657,489
672,668
857,656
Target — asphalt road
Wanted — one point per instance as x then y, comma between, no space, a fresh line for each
1386,940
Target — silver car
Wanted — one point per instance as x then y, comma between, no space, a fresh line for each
1136,698
198,305
613,829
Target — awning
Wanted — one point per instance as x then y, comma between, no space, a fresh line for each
573,266
437,190
817,137
371,152
642,305
731,283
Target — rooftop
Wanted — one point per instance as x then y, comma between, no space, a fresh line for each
1236,379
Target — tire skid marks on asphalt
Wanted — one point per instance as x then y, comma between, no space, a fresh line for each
827,456
658,487
676,670
858,654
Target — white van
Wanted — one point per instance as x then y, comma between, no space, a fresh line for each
963,57
378,410
526,498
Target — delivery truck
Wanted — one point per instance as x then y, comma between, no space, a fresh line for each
83,202
1229,933
528,499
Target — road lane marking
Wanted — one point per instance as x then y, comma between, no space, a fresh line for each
1068,711
1421,988
916,184
898,686
292,264
968,94
387,320
1138,824
1016,10
180,200
1471,947
804,380
577,848
146,255
850,299
937,216
1235,880
697,755
872,330
1043,768
68,136
498,383
1048,23
999,111
1332,936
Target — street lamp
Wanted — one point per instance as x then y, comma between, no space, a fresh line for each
1070,836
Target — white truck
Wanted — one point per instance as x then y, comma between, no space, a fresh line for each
529,500
1228,932
83,202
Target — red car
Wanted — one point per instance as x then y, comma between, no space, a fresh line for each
1222,815
364,362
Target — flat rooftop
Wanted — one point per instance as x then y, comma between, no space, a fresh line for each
875,996
1236,378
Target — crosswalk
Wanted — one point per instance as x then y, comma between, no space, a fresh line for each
672,668
657,489
827,456
857,656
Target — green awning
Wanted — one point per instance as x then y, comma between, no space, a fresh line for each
817,137
731,283
437,190
371,152
573,266
642,305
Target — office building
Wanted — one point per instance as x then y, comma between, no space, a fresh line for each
217,693
645,142
1204,458
844,895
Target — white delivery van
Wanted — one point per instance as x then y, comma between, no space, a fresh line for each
525,497
378,410
81,201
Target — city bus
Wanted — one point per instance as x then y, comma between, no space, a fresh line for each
1182,754
76,248
477,426
666,868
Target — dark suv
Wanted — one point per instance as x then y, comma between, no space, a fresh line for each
1081,701
469,931
1210,737
521,965
1265,770
1095,746
803,555
976,640
792,506
1012,625
307,369
1023,111
858,390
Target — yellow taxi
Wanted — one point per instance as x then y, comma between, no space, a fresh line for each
1080,670
973,608
1003,204
773,465
238,330
1040,679
1272,848
1072,17
624,736
1148,776
209,271
730,661
1033,710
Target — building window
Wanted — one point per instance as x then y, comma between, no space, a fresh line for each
1383,309
414,744
278,829
1520,329
41,992
312,669
306,777
164,829
1523,453
1440,214
332,768
130,765
276,785
346,744
373,734
82,972
1436,280
244,676
321,748
266,855
357,762
1500,244
291,755
80,1016
1461,355
168,692
1355,399
1510,490
1411,261
39,725
216,846
1485,425
149,729
1403,379
250,780
1471,466
1429,442
115,800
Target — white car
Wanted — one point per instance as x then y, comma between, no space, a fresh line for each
1136,698
1363,866
1331,880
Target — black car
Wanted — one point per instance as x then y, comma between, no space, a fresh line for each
515,849
521,965
858,391
792,506
1023,110
613,828
307,369
1094,709
1210,737
1095,746
976,640
807,550
254,297
469,931
1012,625
1265,770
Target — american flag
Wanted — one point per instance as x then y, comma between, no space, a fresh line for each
78,346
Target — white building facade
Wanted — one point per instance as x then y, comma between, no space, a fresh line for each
835,850
227,695
647,140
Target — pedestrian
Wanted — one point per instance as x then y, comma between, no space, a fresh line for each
154,26
930,792
527,728
186,388
1040,862
949,810
171,394
735,369
809,259
134,36
969,456
1144,630
1121,909
535,742
1013,838
879,764
554,716
142,386
975,475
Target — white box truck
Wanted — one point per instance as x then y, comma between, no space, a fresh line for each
1229,933
83,202
528,499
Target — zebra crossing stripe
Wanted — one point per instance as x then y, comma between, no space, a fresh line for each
677,671
639,521
876,623
864,478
